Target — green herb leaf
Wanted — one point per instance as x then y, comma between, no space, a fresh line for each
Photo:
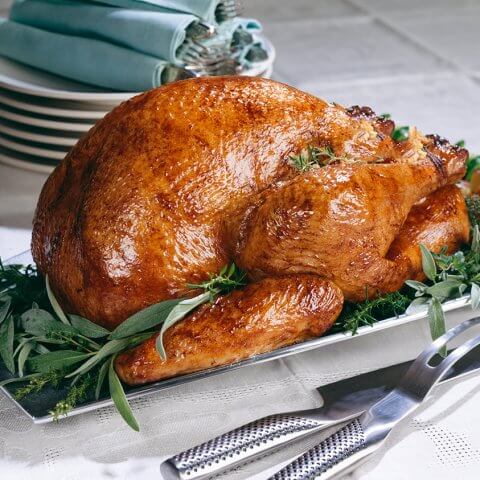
110,348
437,322
23,356
119,399
87,328
57,360
418,305
145,319
7,332
475,296
101,378
4,309
55,305
38,322
180,311
7,381
428,263
400,134
444,289
473,163
418,286
475,245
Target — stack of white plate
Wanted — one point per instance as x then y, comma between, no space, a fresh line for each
42,115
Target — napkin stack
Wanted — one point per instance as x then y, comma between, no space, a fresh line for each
131,45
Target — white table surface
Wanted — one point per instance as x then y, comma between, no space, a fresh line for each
417,60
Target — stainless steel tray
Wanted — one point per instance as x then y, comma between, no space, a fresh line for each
38,406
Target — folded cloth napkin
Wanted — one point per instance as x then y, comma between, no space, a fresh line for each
154,33
204,9
82,59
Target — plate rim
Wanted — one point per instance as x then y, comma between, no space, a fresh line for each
52,111
17,146
20,134
11,160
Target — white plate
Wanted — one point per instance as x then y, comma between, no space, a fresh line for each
45,106
31,81
38,121
39,135
54,152
26,162
21,78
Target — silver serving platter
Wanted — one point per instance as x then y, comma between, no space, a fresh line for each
38,406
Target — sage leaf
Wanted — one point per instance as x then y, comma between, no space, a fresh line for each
101,378
7,332
110,348
57,360
119,398
417,305
23,356
87,328
38,322
437,322
183,308
145,319
4,309
418,286
444,289
21,342
475,245
19,379
39,348
475,296
428,263
55,305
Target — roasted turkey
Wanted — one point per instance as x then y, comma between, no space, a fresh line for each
179,181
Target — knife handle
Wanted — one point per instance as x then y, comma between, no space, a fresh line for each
339,453
240,445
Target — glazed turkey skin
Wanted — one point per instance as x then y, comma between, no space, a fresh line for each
141,205
176,183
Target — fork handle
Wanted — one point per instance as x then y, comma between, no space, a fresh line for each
339,453
240,445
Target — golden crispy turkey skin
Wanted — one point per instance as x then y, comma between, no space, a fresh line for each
264,316
177,182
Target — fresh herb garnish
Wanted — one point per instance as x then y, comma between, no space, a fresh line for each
449,277
400,134
42,345
355,315
315,156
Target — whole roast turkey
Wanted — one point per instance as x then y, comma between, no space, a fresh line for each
179,181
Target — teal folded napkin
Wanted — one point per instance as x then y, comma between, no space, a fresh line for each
154,33
204,9
82,59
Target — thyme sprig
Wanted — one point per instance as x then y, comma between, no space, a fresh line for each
316,156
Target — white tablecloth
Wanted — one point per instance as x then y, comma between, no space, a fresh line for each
441,441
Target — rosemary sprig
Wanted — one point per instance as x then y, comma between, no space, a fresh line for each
355,315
